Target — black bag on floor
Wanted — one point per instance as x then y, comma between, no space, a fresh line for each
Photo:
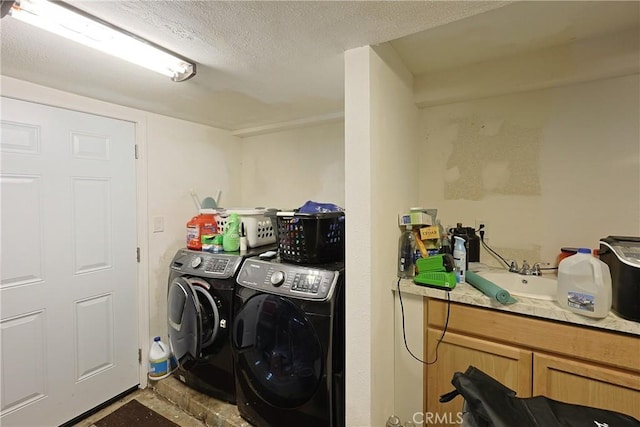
489,403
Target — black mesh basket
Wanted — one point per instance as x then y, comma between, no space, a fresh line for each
311,238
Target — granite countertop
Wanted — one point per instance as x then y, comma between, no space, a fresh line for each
466,294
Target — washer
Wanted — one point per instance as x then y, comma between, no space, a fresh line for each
199,311
288,344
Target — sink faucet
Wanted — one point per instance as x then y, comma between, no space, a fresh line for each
526,269
536,271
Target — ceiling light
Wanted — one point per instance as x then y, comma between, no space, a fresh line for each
74,24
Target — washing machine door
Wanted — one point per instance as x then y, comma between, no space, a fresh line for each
185,324
278,352
211,318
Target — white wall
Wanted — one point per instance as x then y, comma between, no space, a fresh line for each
610,55
546,169
380,179
182,156
285,169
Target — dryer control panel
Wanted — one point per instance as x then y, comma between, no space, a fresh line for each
205,264
302,282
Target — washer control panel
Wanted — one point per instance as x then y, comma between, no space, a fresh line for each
302,282
204,264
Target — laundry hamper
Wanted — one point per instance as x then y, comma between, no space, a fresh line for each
311,238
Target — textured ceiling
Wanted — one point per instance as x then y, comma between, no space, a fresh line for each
265,63
521,27
259,63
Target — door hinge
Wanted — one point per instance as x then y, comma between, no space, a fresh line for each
135,150
139,356
138,254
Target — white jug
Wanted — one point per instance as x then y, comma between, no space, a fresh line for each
584,285
159,355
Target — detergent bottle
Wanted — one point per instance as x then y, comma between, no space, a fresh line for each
231,236
202,224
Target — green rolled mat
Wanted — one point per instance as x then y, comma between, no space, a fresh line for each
489,288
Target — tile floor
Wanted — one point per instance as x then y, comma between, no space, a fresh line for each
180,404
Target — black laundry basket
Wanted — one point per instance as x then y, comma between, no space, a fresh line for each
311,238
489,403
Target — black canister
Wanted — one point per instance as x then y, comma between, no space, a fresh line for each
471,241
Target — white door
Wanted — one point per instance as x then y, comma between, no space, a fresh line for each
68,319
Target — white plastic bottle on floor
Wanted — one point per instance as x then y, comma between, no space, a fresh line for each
459,258
158,360
584,285
393,421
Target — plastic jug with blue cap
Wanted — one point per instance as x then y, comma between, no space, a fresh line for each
584,285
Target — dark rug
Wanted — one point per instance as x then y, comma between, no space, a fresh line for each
135,414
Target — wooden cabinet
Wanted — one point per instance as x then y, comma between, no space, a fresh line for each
532,356
586,384
509,365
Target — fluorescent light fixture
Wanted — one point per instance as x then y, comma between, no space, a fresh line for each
73,24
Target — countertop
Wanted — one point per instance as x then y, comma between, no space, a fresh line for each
466,294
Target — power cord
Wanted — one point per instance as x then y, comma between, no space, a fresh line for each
491,251
404,333
484,244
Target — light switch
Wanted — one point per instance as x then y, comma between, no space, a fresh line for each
158,224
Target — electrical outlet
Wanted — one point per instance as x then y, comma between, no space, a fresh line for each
482,223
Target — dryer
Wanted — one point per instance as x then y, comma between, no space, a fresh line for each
199,313
288,344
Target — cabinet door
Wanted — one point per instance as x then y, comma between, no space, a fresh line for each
586,384
509,365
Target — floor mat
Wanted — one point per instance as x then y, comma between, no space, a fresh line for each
136,414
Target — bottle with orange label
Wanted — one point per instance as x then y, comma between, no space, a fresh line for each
197,226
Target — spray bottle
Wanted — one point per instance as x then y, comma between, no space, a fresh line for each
459,258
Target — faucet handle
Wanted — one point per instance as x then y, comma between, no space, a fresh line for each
525,269
513,268
537,270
